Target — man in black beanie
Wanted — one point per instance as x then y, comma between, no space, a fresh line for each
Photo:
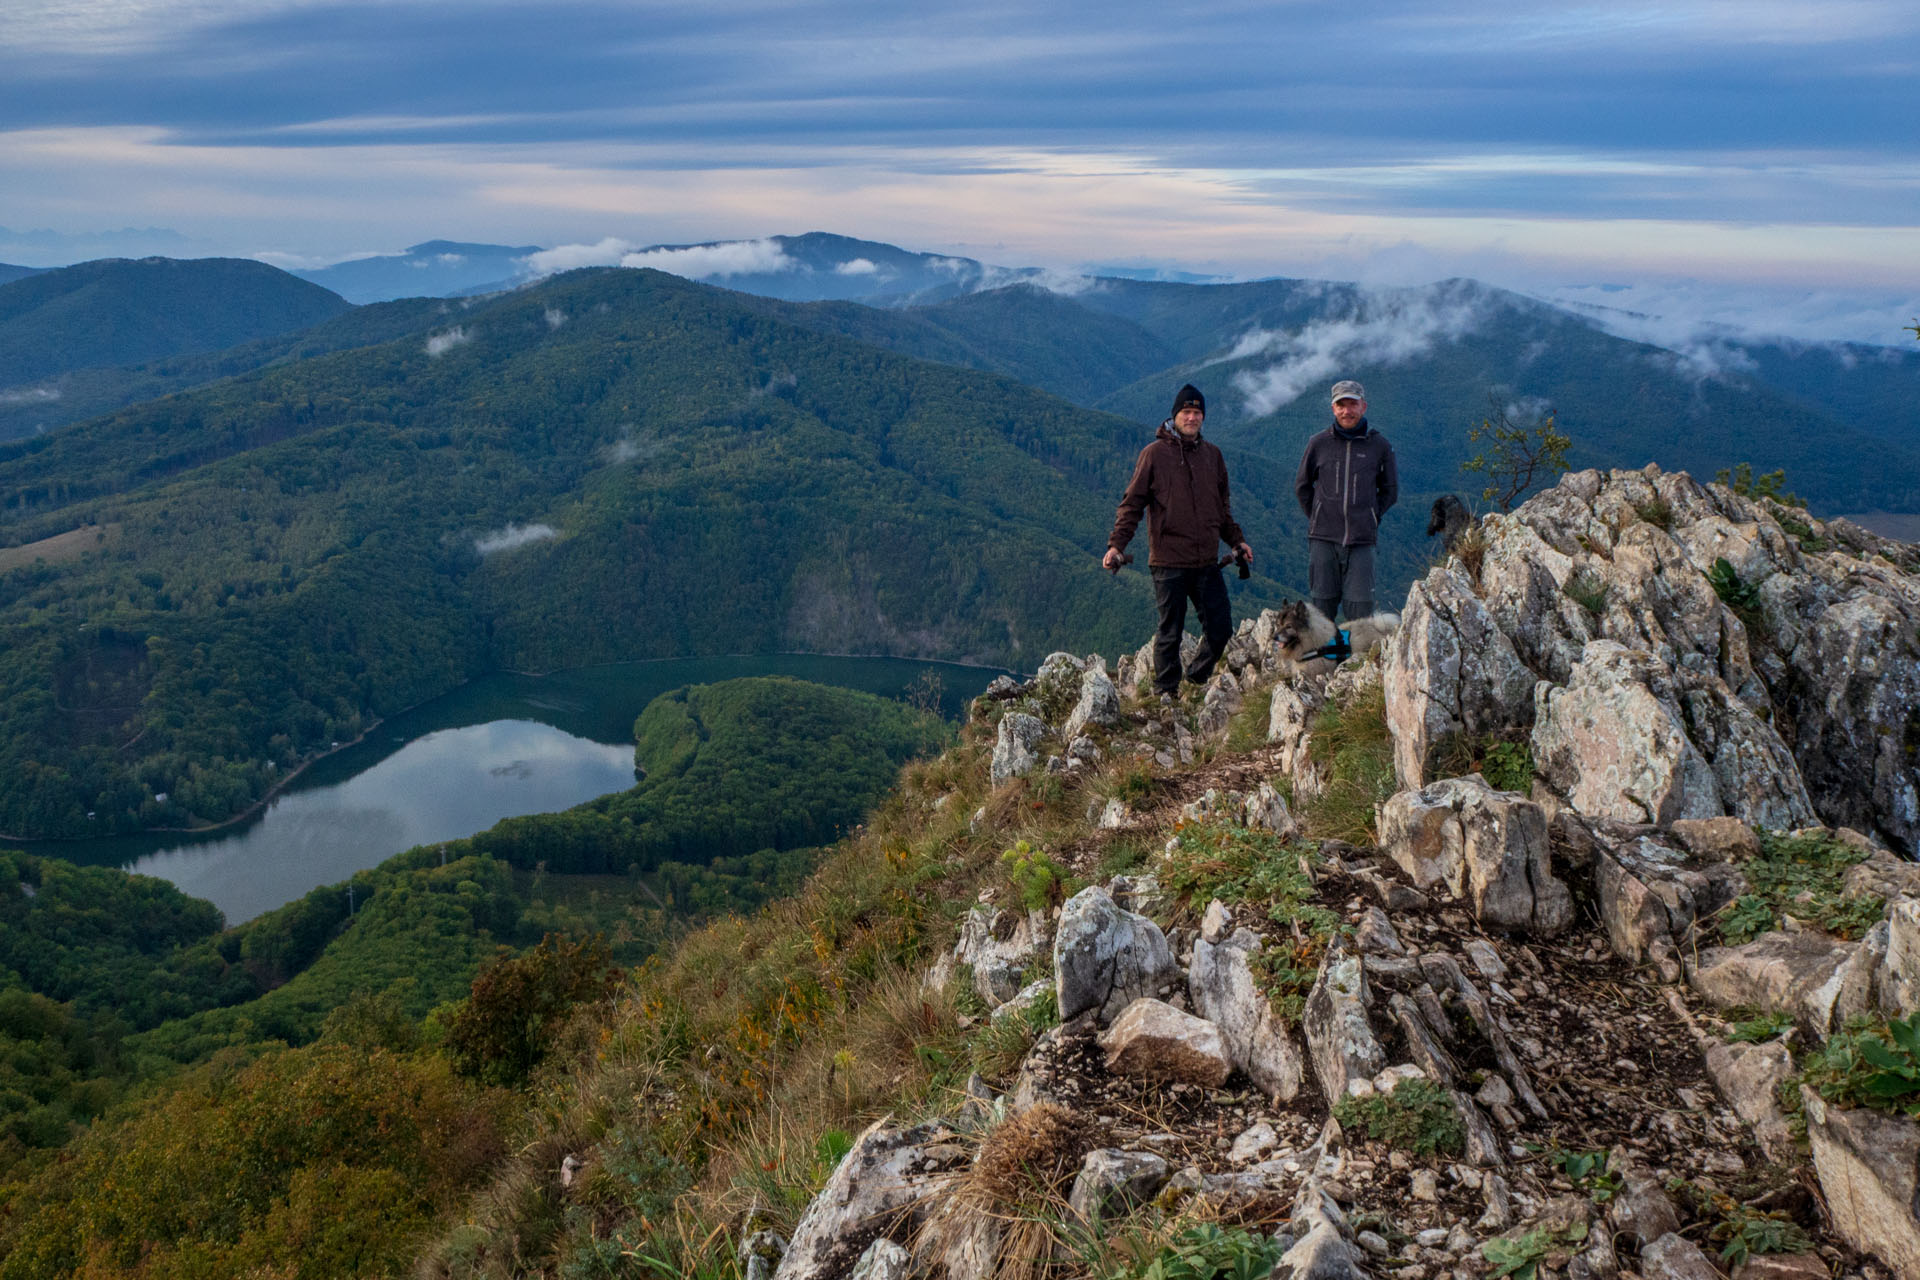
1180,482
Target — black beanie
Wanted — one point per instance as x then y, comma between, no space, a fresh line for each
1189,395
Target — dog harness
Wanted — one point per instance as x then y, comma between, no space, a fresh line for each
1337,650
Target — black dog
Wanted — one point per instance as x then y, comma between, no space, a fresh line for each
1450,519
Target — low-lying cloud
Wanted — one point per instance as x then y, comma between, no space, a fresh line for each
554,317
1384,329
512,536
1685,314
439,344
29,395
857,267
695,262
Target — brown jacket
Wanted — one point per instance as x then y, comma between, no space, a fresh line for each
1182,486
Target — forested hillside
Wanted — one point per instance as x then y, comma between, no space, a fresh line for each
109,982
615,465
119,311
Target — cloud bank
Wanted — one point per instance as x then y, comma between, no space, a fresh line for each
512,536
439,344
695,262
1384,329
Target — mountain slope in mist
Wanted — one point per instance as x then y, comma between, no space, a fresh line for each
613,465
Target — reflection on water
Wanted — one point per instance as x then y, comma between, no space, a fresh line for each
448,784
499,747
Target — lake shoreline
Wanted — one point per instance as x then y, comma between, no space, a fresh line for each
258,807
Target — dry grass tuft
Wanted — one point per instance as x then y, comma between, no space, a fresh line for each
1032,1158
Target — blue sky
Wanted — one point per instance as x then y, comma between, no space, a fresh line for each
1720,143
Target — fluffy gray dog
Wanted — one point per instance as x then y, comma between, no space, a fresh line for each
1300,630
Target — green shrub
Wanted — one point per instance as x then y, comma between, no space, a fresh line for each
1656,511
1746,1232
1418,1116
1772,485
519,1002
1036,878
1725,579
1508,766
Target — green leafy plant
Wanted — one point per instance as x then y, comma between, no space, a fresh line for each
1738,595
1508,766
1801,876
1765,1026
1588,1170
1520,1255
1869,1068
1746,1232
1035,877
1209,1251
1418,1116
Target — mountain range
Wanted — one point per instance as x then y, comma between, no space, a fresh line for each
264,547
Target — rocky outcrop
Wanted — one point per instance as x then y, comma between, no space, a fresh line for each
1451,674
1487,848
1340,1040
1016,746
1651,893
1221,985
1807,975
1656,701
1105,958
1099,703
877,1184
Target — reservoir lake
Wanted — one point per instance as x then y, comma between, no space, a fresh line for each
497,747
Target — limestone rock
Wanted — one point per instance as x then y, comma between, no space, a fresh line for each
1641,1210
1113,1182
888,1170
1869,1168
1749,1076
1340,1041
1449,672
1099,703
1783,1266
1000,946
883,1260
1898,984
1650,894
1718,839
1221,984
1014,753
1674,1257
1804,974
1489,848
1321,1250
1152,1040
1105,958
1266,810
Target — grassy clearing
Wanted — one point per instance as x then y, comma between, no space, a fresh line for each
61,546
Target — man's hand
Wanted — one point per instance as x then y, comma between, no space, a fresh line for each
1112,561
1244,552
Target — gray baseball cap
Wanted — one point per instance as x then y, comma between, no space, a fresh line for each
1348,389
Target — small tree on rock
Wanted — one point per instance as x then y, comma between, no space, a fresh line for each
1515,457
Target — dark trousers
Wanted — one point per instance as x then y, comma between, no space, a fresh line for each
1340,578
1172,588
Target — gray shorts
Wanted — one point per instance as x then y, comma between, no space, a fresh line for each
1340,573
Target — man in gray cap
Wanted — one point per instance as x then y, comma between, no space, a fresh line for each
1347,481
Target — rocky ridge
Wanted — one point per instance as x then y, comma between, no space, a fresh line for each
1595,1022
